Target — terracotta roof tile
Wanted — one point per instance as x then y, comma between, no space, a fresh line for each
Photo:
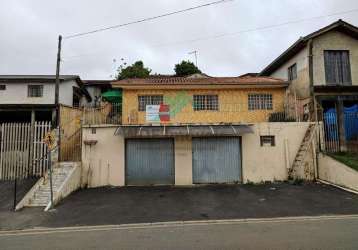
246,80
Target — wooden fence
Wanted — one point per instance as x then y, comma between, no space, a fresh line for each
23,153
70,137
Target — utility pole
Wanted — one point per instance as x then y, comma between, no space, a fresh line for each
195,52
57,88
57,105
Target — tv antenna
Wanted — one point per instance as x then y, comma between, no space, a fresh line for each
195,53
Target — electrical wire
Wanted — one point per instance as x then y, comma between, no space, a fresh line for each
232,33
146,19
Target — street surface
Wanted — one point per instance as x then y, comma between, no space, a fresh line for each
336,232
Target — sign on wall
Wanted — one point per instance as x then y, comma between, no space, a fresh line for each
157,113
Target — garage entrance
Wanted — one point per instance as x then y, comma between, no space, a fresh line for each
150,162
216,160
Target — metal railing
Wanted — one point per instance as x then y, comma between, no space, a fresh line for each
108,113
331,133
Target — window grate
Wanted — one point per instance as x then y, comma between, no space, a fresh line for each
35,91
145,100
205,102
260,101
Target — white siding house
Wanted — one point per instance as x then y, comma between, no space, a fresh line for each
27,93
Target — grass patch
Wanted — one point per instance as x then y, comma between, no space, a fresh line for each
349,159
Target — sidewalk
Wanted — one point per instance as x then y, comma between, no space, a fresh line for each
114,206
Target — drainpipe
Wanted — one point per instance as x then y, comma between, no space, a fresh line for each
313,95
311,80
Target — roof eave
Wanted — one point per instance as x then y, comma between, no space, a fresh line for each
301,43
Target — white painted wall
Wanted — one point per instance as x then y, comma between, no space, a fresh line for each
104,162
95,92
16,93
271,163
337,173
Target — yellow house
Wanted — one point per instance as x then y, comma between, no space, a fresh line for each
204,100
185,131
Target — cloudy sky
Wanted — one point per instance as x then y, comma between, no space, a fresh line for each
29,31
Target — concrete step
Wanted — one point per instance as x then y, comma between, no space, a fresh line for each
42,196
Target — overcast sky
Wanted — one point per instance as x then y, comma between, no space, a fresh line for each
29,31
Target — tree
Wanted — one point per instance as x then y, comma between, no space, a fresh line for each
186,68
136,70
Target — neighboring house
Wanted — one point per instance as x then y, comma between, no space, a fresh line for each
23,95
322,68
96,88
186,131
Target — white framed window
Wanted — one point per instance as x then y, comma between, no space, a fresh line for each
260,101
144,100
205,102
2,87
35,90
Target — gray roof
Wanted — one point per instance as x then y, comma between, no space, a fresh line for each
39,77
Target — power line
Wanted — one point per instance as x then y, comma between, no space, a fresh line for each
232,33
147,19
253,29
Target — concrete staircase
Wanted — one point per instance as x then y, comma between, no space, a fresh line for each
302,151
42,196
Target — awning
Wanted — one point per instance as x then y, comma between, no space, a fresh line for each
183,130
112,96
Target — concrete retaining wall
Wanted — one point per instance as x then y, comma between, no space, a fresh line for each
337,173
104,164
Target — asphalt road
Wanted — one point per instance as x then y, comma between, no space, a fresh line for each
309,233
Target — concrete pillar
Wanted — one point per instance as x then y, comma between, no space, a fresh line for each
341,130
183,161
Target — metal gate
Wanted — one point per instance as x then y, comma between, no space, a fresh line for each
149,162
216,160
23,152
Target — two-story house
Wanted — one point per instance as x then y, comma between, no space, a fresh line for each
26,97
322,69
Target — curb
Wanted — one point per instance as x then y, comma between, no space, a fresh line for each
173,224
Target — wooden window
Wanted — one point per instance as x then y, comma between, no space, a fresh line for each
267,140
260,101
145,100
205,102
292,72
2,87
337,67
35,90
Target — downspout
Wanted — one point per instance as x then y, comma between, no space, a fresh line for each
311,80
312,94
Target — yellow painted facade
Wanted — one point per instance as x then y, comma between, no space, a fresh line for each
233,105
